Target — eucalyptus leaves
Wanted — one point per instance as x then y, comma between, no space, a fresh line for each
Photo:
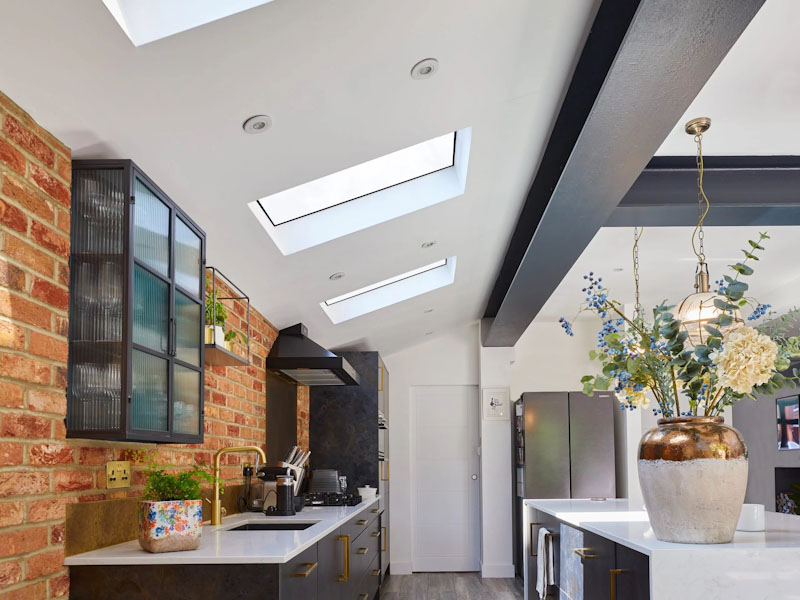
734,361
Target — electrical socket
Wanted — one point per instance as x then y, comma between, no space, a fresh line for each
118,474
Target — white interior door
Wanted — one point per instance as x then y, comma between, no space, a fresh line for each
445,478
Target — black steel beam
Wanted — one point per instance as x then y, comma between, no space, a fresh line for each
668,52
744,190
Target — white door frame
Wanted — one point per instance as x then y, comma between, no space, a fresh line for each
475,458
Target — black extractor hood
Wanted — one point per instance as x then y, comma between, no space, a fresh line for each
308,363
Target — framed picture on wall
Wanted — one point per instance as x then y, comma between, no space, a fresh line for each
788,423
496,404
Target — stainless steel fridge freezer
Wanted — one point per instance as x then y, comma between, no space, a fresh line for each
563,448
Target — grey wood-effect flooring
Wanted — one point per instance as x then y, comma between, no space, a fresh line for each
449,586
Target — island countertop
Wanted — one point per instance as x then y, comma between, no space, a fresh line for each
219,545
754,565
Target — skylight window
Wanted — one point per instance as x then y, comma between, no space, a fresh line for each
366,194
390,291
145,21
367,178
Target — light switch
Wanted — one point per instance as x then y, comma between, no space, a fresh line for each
118,474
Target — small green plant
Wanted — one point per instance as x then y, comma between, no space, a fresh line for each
216,313
230,335
186,485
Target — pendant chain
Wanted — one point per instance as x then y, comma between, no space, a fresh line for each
637,308
702,202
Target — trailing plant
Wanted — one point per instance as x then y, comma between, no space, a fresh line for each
639,357
215,313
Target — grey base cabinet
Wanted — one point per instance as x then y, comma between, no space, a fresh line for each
345,565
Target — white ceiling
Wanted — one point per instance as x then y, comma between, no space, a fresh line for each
667,266
334,76
752,97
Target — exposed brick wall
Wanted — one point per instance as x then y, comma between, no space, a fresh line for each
40,470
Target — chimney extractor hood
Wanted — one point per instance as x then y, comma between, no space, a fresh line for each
308,363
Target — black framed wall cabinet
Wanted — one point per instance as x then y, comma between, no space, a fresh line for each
136,353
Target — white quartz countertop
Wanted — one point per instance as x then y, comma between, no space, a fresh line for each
219,545
617,520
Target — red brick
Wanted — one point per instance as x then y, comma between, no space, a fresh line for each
29,141
50,239
72,481
47,402
48,347
11,513
34,591
10,573
28,197
50,454
11,453
20,309
11,395
64,221
96,456
22,541
50,294
24,368
11,276
64,168
62,274
13,217
45,563
48,510
12,157
12,336
57,534
28,255
92,498
59,586
61,326
24,426
60,377
49,184
59,430
21,483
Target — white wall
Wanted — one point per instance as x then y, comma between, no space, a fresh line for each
450,359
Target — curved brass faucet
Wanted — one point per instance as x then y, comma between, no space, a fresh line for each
216,508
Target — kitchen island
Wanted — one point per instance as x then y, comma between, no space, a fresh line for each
606,550
337,556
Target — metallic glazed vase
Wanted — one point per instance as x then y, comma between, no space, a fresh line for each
693,474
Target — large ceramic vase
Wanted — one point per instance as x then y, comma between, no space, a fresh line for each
693,474
171,525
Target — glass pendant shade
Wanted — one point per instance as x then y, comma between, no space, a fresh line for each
697,310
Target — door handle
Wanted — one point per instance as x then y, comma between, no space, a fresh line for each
384,470
531,538
362,551
613,573
375,511
376,534
363,597
385,530
582,552
361,522
346,574
309,569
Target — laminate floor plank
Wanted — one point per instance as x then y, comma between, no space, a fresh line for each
450,586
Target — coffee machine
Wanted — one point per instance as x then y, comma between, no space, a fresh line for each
284,482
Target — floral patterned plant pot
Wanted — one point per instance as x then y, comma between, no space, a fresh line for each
170,526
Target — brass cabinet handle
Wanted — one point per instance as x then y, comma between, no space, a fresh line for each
582,552
309,569
375,511
362,551
614,573
376,534
384,470
380,387
531,540
361,522
385,530
376,572
363,597
346,574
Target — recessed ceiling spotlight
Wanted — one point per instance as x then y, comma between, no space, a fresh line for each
617,269
336,276
257,124
425,68
430,310
428,244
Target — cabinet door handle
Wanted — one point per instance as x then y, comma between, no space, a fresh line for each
531,538
613,583
584,553
384,470
361,522
375,511
376,572
362,551
385,530
346,574
309,568
363,597
376,534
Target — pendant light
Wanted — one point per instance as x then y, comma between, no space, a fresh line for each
697,310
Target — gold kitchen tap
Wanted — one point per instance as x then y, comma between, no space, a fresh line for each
216,507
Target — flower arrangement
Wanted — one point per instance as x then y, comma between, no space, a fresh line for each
735,361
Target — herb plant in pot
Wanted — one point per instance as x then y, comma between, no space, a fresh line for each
215,316
171,510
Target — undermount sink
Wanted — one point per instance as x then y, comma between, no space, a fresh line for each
272,527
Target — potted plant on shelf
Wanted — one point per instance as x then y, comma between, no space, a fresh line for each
215,316
171,509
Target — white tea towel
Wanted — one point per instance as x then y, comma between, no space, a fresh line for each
545,567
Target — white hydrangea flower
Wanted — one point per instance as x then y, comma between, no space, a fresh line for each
746,359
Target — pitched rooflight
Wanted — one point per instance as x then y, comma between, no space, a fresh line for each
354,182
366,194
391,291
